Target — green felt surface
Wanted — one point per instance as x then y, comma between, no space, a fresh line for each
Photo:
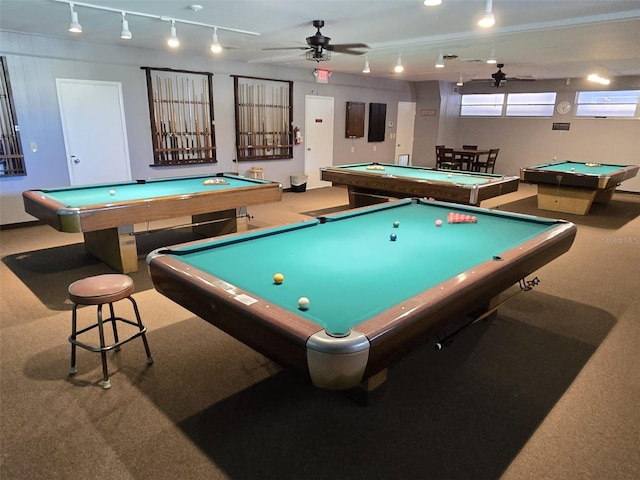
78,197
462,178
350,269
580,167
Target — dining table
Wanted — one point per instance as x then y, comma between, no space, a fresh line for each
469,156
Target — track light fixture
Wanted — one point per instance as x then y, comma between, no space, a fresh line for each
440,61
215,44
125,33
492,59
487,20
399,68
366,68
597,78
173,41
74,26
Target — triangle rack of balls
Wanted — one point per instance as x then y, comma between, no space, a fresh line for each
453,217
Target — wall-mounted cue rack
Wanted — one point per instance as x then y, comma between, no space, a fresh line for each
181,113
11,156
264,118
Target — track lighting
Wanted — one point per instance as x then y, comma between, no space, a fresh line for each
173,41
399,68
492,59
125,33
594,77
366,68
215,45
74,26
440,61
487,20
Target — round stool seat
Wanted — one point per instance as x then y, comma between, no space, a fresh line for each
101,289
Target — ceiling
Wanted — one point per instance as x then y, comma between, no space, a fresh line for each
540,39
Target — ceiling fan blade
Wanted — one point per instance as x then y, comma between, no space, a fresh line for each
348,48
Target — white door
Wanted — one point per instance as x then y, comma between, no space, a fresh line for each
404,129
94,130
318,138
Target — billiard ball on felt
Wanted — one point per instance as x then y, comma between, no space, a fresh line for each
278,278
449,176
396,224
112,192
573,169
303,303
438,223
393,237
208,181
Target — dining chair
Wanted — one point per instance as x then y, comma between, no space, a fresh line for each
445,158
468,159
490,163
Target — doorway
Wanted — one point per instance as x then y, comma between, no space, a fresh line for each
94,129
404,130
318,150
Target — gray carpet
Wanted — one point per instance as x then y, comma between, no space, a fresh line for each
548,389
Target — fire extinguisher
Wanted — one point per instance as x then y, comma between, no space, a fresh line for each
297,136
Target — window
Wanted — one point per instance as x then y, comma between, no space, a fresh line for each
620,103
486,105
531,104
181,110
11,157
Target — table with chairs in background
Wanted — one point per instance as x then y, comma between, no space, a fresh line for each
468,157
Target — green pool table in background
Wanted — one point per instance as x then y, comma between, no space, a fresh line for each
371,183
572,187
372,299
106,213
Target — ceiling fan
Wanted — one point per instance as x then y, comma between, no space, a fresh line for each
319,47
500,77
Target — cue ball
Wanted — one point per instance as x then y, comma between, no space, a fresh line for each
396,224
303,303
573,169
112,192
449,176
393,237
438,223
278,278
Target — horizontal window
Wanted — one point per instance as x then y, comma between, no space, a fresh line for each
531,104
608,103
485,105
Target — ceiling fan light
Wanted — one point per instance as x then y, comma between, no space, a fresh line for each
125,33
173,41
74,26
215,45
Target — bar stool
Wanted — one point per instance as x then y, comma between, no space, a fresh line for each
257,172
100,290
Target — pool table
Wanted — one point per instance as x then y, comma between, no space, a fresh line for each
572,187
106,213
371,183
371,298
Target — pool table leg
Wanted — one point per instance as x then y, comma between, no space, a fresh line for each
358,198
604,196
565,199
215,223
114,246
362,393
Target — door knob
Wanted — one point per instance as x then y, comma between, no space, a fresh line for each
75,159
